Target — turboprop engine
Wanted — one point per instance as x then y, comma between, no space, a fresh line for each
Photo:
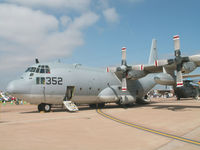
164,79
114,94
136,74
188,67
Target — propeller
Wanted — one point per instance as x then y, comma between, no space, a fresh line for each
123,68
178,61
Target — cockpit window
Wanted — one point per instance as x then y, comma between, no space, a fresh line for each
39,69
31,69
42,70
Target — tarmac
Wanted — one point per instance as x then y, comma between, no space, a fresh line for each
22,127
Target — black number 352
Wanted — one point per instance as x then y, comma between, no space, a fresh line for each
54,80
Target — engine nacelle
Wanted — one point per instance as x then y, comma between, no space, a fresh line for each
164,79
188,67
126,99
115,94
136,74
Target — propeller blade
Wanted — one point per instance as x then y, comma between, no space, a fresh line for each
111,69
178,60
179,79
177,45
123,55
124,84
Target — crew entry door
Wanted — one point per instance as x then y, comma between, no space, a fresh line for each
69,93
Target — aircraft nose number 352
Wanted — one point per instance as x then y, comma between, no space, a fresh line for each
49,80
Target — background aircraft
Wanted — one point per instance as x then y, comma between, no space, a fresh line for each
182,89
56,84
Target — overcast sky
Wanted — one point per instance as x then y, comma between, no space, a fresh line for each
92,32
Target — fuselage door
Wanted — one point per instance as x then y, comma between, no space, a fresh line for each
69,93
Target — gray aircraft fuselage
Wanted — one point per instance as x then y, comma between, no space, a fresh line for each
48,82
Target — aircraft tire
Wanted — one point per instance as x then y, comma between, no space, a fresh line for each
196,97
40,107
93,106
47,107
101,105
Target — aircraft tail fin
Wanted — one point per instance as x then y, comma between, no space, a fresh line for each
153,53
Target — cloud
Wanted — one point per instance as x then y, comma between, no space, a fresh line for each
65,20
78,5
26,34
111,15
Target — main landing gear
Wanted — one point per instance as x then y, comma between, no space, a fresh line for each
44,107
95,106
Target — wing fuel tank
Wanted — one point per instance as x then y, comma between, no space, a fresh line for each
164,79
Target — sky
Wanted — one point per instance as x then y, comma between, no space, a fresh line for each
92,32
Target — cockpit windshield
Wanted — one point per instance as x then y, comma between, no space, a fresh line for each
39,69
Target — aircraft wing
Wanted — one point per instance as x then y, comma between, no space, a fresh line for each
191,76
189,64
178,64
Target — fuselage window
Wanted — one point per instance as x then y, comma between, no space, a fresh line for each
38,80
42,80
31,74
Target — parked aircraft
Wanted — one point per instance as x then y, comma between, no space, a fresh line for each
56,84
181,64
189,89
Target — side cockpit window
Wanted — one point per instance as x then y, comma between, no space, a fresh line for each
31,69
39,69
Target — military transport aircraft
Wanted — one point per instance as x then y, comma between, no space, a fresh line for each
56,84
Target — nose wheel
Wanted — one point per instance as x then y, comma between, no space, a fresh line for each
44,107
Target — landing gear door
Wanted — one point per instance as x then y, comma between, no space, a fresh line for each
69,93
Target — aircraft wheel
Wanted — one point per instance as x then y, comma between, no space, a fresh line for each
47,107
93,106
101,105
196,97
40,107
